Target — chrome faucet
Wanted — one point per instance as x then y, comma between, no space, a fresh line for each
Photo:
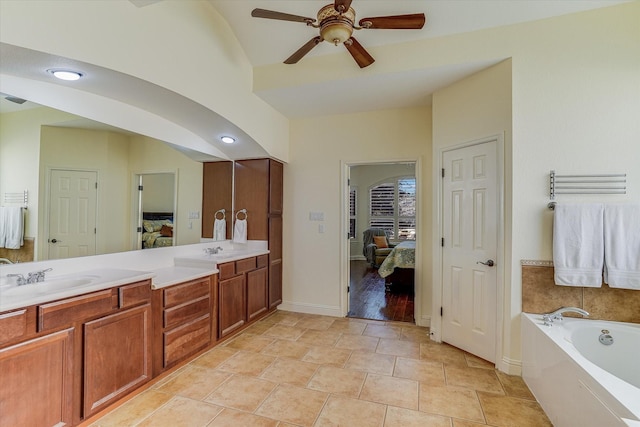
557,315
212,251
33,277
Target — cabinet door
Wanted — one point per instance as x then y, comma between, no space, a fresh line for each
231,305
275,187
275,261
117,350
252,193
217,188
257,301
37,381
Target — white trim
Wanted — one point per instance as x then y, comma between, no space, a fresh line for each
510,366
303,307
344,252
436,321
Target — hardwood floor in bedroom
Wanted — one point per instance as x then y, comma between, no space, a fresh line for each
368,299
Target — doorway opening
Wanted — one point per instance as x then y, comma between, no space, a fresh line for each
382,212
155,210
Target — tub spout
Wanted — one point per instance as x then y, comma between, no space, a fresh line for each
557,315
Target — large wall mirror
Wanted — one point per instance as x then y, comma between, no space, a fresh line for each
39,145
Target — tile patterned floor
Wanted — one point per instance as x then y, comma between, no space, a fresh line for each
293,369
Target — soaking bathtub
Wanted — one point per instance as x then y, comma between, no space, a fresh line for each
583,372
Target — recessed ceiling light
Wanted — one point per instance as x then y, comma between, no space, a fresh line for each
65,74
228,140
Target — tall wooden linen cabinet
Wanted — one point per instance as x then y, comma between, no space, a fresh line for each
258,188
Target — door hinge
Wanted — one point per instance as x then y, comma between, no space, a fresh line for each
96,185
140,187
441,311
348,289
443,172
139,229
442,242
95,231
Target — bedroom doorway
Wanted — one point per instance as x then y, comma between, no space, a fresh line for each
155,210
382,200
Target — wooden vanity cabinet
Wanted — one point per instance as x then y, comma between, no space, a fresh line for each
184,321
62,361
243,293
37,381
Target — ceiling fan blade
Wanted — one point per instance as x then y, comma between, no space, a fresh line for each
342,6
359,53
270,14
297,56
399,22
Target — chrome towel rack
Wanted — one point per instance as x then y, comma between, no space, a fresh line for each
21,198
585,184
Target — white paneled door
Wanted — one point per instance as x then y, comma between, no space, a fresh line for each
72,213
470,232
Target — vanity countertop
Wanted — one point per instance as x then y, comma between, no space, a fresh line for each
173,275
68,285
202,259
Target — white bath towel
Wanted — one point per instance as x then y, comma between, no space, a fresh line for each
622,246
11,227
240,231
219,229
578,244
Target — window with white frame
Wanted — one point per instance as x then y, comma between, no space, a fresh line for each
352,212
392,207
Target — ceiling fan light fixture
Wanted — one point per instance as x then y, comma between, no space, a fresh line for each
336,27
68,75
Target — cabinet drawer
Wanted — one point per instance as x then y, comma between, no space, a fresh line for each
186,292
134,294
186,312
262,261
81,308
185,340
244,265
227,270
13,325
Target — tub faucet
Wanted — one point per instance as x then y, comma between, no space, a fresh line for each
557,315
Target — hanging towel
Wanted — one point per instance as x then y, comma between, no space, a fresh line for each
622,246
240,231
578,244
219,229
11,227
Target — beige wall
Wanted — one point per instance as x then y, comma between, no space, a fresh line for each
313,280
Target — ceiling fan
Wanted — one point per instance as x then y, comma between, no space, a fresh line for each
337,22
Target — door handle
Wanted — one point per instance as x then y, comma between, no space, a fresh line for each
55,240
488,263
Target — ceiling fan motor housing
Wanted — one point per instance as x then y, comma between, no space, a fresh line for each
336,27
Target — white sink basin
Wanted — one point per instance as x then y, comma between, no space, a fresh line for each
49,286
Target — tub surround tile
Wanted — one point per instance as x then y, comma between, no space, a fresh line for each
541,295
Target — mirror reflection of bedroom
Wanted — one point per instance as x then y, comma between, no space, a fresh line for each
382,214
156,201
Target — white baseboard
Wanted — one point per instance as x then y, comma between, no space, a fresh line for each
424,320
510,366
301,307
